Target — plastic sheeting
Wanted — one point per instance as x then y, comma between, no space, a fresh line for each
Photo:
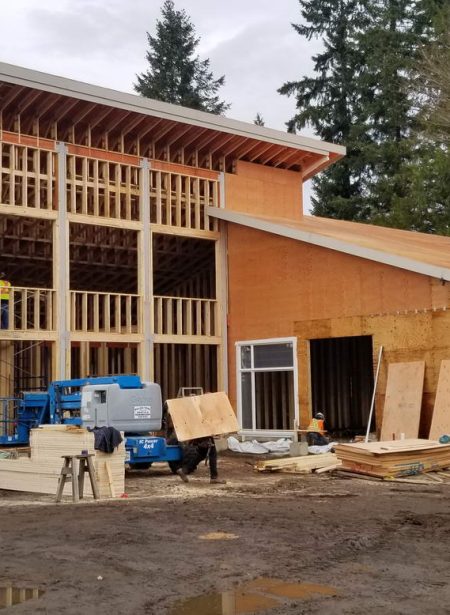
259,448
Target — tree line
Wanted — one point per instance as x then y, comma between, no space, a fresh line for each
380,86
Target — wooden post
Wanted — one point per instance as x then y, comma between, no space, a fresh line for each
145,281
61,270
220,324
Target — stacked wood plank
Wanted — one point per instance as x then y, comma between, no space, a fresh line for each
394,458
39,472
300,465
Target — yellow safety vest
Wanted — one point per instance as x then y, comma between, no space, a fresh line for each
5,287
316,425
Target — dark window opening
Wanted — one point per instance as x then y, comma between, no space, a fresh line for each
342,382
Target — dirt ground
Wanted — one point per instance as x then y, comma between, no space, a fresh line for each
383,547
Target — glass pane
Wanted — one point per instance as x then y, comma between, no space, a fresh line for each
274,397
274,355
246,393
246,357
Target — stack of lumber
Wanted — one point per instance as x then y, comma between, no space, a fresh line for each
39,472
300,465
394,458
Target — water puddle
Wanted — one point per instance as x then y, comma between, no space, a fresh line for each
252,597
11,595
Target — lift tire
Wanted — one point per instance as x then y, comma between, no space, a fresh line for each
140,466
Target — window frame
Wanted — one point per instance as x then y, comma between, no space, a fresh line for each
264,433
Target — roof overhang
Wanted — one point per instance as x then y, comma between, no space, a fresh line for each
332,243
40,96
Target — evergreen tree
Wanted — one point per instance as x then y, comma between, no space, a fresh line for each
426,203
391,45
332,103
176,74
432,84
360,98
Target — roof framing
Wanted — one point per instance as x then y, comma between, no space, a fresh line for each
46,95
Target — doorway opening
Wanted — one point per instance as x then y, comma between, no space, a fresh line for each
342,382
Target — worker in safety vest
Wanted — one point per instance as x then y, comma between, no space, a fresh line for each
5,289
316,431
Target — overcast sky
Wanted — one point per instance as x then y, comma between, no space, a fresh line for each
104,42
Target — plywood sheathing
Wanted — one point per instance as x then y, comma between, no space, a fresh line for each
401,414
200,416
440,424
280,287
256,189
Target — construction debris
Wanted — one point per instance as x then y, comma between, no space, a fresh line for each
396,459
299,465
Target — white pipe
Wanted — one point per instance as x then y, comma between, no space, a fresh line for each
372,404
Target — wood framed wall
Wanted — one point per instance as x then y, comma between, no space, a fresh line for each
103,211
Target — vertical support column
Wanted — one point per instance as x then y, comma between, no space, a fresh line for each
61,356
6,368
145,278
222,295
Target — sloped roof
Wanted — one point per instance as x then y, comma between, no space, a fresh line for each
45,97
418,252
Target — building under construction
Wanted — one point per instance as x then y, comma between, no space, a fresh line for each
143,237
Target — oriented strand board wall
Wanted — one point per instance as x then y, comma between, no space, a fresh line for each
256,189
280,287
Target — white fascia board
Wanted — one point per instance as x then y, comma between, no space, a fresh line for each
331,243
132,102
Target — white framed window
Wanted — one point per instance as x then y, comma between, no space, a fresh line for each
267,386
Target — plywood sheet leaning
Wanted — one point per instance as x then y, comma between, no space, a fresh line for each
440,423
200,416
403,401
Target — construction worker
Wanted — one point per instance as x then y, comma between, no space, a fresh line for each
193,453
5,289
316,430
196,451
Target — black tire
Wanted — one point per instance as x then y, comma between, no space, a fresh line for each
140,466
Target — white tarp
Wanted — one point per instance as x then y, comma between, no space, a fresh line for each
259,448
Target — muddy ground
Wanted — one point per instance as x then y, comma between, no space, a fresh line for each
384,548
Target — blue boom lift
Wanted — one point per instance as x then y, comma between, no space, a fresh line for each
123,402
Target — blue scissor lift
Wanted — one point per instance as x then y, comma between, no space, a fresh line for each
61,404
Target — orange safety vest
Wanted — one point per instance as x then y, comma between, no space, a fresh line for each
5,287
316,425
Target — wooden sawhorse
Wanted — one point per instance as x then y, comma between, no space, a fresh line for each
74,469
